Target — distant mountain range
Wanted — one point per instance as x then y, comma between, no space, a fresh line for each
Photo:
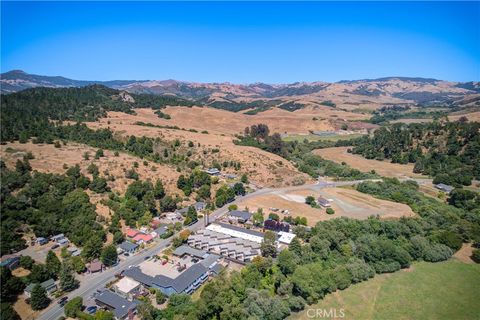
350,94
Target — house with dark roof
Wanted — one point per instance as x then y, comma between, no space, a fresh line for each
121,307
50,286
188,281
444,187
158,232
128,246
182,211
200,205
240,216
10,261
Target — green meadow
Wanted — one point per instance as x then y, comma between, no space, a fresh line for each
445,290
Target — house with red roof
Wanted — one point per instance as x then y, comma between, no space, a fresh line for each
143,238
131,233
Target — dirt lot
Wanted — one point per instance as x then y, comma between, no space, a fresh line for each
263,168
23,309
465,253
384,168
346,203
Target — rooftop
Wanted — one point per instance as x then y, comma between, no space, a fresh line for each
121,306
127,284
128,246
184,249
50,283
180,283
245,215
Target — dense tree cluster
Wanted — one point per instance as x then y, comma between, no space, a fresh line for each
300,153
48,203
197,180
24,113
449,151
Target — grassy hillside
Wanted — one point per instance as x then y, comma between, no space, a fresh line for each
445,290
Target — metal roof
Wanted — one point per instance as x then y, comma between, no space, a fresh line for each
50,283
179,284
245,215
184,249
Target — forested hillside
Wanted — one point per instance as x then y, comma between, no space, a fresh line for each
447,151
28,112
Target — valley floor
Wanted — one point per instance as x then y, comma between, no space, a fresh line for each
445,290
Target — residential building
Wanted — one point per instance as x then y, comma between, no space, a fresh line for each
226,245
127,288
131,233
143,238
128,247
240,216
200,206
188,281
186,250
121,307
158,232
10,261
50,286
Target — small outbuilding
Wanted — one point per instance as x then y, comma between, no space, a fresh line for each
444,187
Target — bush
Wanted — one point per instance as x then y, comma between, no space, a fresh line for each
476,255
330,211
73,307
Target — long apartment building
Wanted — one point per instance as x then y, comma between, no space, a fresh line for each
229,241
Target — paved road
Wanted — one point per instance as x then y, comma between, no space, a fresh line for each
98,281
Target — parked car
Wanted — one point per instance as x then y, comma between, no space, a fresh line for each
55,246
126,254
91,310
147,257
63,301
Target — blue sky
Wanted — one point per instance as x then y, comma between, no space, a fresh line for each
242,42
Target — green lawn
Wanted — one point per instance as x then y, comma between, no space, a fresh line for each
314,137
446,290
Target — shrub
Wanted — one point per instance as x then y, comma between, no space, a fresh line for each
330,211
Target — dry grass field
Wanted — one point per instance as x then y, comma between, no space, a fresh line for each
346,203
384,168
51,159
263,168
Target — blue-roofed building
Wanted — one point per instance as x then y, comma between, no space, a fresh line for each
187,282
